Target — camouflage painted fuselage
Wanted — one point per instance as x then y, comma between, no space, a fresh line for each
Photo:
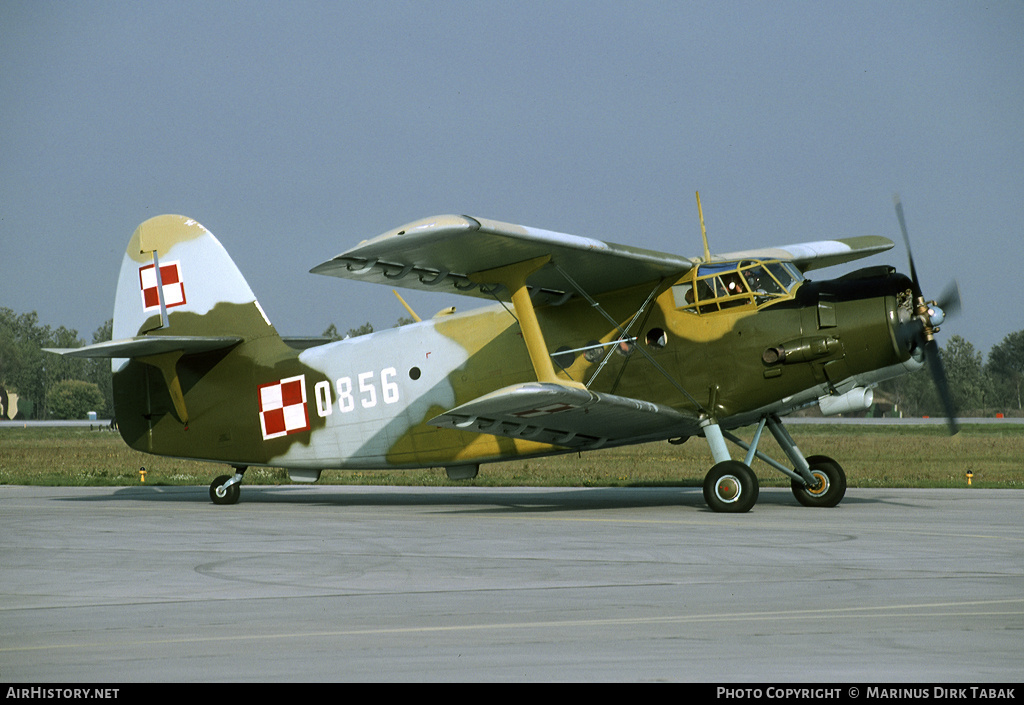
366,402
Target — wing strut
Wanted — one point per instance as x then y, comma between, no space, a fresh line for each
623,332
513,277
624,335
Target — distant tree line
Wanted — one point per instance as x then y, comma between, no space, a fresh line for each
50,386
53,387
978,388
333,334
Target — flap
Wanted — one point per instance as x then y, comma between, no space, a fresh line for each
441,253
144,346
818,254
566,416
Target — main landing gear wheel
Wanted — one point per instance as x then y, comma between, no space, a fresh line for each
219,495
730,486
831,487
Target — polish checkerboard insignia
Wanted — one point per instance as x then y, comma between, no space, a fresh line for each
283,407
173,286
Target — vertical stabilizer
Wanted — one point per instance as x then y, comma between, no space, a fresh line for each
177,279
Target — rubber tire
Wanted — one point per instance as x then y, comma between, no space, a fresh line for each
731,487
232,494
834,478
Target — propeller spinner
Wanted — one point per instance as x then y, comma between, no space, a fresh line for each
927,317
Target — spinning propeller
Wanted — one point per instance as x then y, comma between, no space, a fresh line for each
919,331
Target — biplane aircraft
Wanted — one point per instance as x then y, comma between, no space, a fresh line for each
585,344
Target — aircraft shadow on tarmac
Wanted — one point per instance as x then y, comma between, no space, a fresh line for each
480,499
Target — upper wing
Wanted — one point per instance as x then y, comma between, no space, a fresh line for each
567,416
822,253
442,252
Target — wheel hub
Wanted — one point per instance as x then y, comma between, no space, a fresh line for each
728,489
821,486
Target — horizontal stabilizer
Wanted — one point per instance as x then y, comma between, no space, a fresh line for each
306,342
441,254
146,345
566,416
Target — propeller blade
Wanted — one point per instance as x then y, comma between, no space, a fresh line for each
949,301
938,372
906,241
919,332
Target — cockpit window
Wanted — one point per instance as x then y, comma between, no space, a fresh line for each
723,285
785,272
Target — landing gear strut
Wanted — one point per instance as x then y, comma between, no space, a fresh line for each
731,486
226,488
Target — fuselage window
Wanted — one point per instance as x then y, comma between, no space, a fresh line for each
657,338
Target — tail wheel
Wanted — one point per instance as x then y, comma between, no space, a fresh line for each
730,486
220,495
831,483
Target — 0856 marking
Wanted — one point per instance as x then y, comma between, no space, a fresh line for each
368,390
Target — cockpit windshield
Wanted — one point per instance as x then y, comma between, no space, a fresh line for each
718,286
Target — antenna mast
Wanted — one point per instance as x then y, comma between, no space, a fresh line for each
703,232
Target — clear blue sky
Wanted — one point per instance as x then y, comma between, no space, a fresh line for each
292,130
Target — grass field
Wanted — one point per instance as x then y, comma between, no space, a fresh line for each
873,456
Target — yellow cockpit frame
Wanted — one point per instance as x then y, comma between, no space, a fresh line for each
743,284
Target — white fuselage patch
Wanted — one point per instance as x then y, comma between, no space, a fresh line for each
377,388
